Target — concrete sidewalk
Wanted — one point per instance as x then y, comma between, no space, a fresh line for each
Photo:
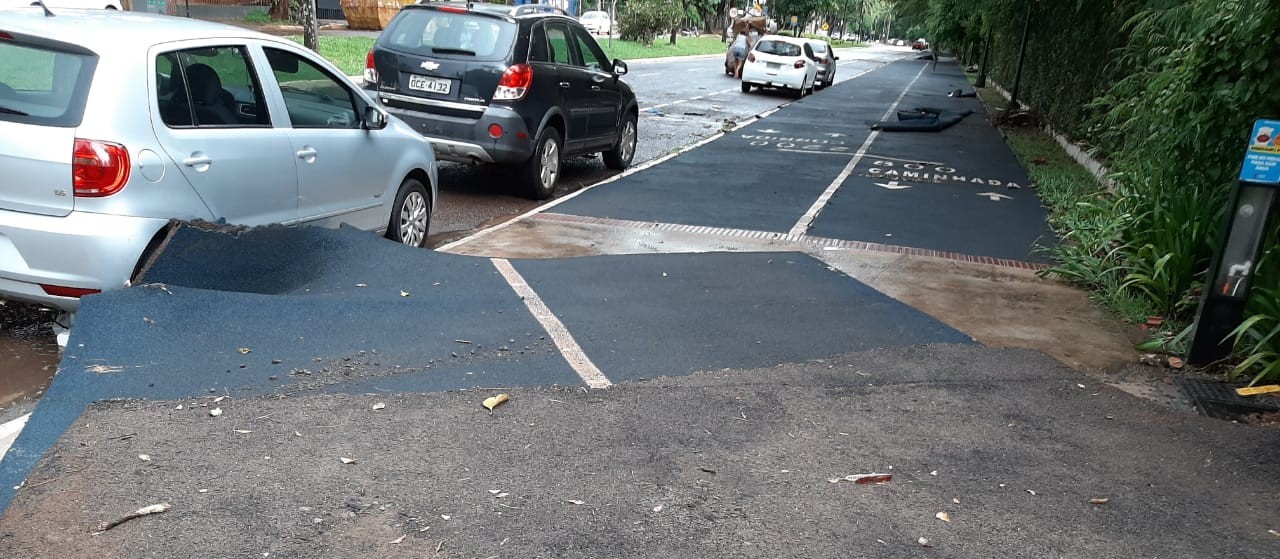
1010,444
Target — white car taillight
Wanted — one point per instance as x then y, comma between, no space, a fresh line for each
98,168
370,71
515,83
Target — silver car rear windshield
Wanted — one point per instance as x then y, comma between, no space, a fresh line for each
780,48
40,85
449,34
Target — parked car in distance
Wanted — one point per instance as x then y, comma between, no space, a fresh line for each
920,44
129,120
76,4
523,91
597,22
824,58
781,62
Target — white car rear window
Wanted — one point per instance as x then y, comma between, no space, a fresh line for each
39,85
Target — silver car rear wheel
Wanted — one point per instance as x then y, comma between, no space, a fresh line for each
411,217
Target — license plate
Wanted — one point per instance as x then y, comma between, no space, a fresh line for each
429,85
774,65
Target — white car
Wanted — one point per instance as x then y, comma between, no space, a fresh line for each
78,4
780,62
597,22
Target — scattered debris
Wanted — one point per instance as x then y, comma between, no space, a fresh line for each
399,539
244,350
943,516
219,399
955,500
1175,362
379,406
1099,500
1040,160
445,516
347,460
103,369
707,470
494,401
362,285
575,502
463,341
215,412
657,508
864,479
1031,492
924,541
144,511
1150,359
933,473
404,293
144,457
148,320
242,431
1255,390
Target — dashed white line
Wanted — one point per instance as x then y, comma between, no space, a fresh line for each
806,221
563,339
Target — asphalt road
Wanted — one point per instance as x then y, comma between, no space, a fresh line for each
682,100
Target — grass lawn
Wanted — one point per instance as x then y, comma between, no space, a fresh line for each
348,53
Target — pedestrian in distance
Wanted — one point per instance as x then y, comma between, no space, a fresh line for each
741,44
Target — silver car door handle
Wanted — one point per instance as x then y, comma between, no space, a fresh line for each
307,153
197,161
595,88
564,85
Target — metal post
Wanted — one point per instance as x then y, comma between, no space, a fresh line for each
1022,55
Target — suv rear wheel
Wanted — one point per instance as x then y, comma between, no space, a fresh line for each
619,157
541,173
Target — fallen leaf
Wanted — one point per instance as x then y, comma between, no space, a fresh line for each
943,516
1176,362
404,293
379,405
657,508
244,350
956,501
924,541
348,460
494,401
1031,492
1274,533
297,434
144,457
215,412
218,399
865,479
1099,500
1078,385
495,491
445,516
243,431
575,502
933,473
398,540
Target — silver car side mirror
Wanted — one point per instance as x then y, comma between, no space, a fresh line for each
374,119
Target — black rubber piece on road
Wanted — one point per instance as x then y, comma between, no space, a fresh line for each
924,119
962,93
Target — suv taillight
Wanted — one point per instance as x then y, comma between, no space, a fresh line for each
799,64
370,71
98,168
515,83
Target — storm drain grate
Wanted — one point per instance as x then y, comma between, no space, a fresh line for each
1219,399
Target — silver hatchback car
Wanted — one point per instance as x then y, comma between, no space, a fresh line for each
114,123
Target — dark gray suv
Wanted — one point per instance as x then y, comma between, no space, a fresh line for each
488,84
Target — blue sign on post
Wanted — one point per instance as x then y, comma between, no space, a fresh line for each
1262,160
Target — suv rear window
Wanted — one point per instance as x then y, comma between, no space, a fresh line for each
427,32
780,48
39,85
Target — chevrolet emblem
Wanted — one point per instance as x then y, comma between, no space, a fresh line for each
430,66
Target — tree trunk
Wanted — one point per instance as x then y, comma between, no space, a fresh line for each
279,10
673,35
310,28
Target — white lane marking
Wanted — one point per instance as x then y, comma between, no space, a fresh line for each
9,432
806,221
669,103
933,163
630,171
644,75
569,347
694,70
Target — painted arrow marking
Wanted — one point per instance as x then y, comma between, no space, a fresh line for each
834,134
768,131
995,196
893,185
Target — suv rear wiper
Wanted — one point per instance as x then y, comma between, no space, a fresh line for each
447,50
7,110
